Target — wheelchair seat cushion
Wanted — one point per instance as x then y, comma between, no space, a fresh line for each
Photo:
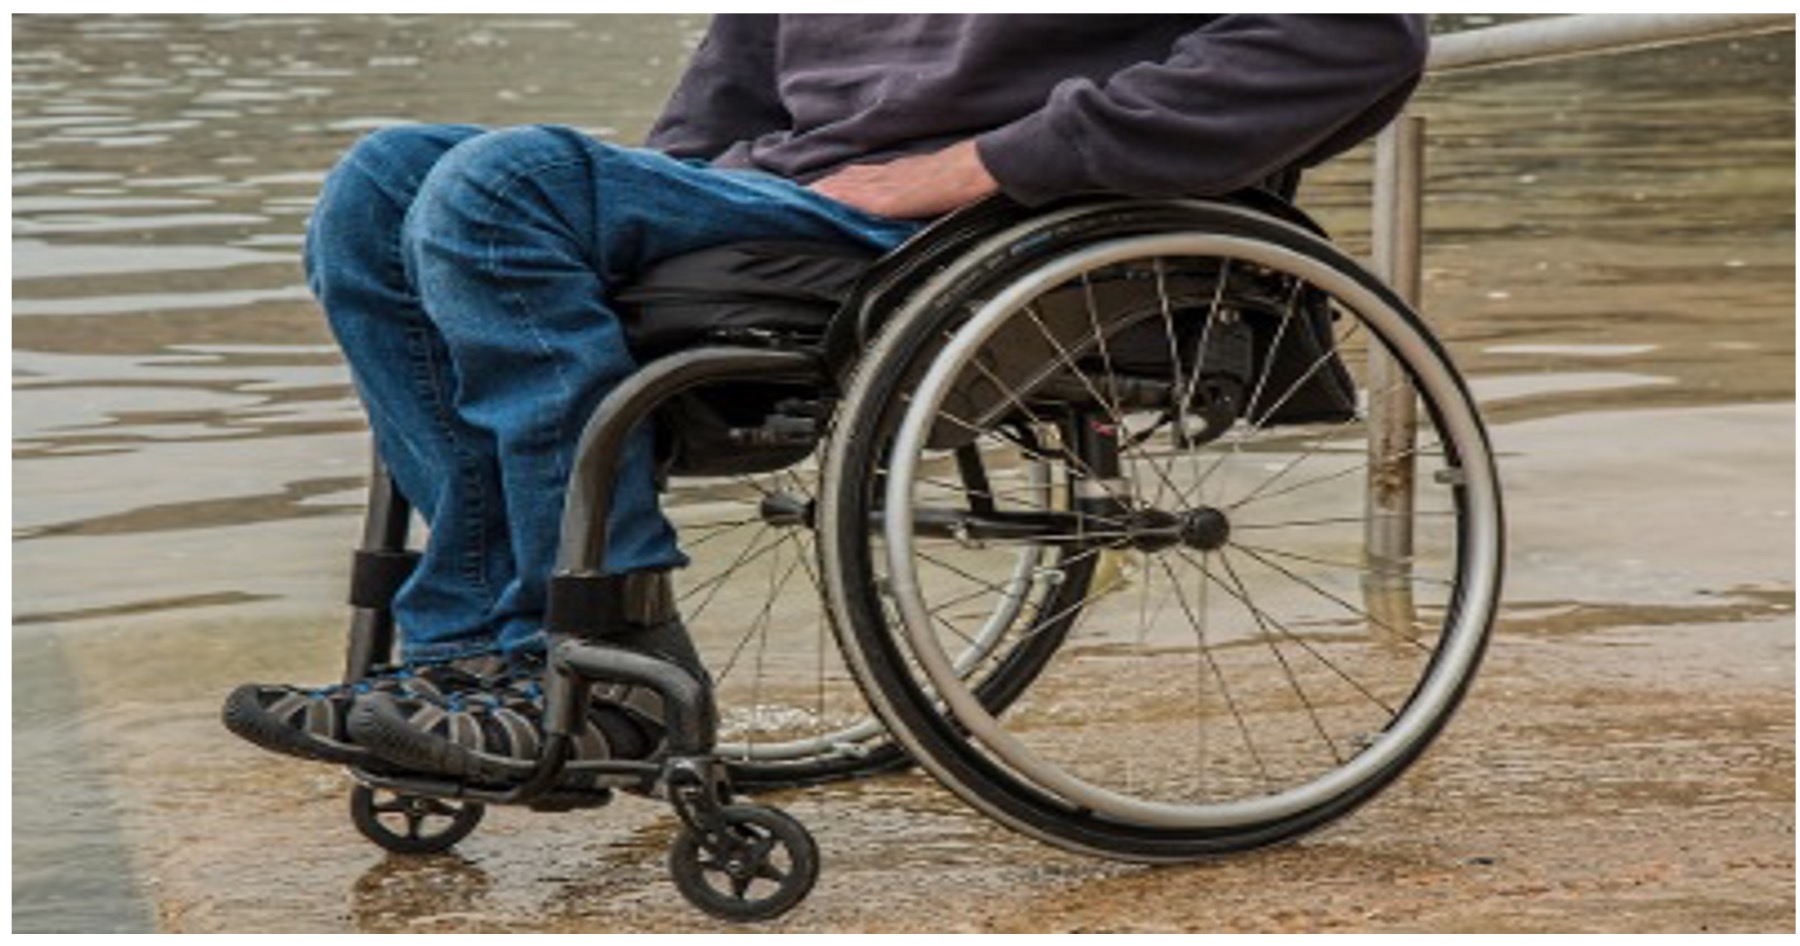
780,292
782,288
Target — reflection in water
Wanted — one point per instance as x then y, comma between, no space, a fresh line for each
397,893
1602,234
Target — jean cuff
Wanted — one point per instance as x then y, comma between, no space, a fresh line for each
530,644
416,654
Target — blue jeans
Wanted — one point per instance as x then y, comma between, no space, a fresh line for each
465,274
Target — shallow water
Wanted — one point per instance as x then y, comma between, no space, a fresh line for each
1610,260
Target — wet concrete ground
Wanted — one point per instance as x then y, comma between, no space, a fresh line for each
1625,762
1611,263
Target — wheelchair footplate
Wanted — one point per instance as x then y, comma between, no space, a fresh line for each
735,861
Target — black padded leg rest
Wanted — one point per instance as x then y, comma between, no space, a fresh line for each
376,576
592,606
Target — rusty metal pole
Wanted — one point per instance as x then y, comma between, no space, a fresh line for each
1393,406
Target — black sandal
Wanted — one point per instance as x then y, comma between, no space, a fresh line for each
313,722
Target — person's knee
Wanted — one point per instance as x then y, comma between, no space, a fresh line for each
389,164
508,154
506,177
367,192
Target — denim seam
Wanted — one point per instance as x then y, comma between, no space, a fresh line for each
428,378
492,264
428,374
451,650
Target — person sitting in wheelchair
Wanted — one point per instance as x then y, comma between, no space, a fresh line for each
469,273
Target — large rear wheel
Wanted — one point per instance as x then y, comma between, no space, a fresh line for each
1193,382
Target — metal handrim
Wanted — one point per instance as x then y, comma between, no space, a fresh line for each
1455,657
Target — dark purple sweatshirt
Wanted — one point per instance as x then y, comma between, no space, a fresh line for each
1144,105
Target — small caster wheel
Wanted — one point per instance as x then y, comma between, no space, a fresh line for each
770,869
412,824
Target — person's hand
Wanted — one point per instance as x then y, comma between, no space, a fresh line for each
924,185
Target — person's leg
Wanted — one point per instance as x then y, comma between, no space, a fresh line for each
444,466
399,367
514,242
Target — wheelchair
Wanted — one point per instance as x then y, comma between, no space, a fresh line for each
1068,506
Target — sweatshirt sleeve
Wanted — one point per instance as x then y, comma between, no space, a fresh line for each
1237,100
728,93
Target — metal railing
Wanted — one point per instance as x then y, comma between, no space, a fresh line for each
1561,37
1398,225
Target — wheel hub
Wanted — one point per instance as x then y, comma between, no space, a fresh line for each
784,510
1203,528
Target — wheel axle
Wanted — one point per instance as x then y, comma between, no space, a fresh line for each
1203,529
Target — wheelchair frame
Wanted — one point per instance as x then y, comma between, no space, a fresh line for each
587,605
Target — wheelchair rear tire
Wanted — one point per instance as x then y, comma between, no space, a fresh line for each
1229,557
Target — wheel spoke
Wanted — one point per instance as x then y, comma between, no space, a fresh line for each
1243,595
1093,310
1317,445
1077,470
1213,314
1200,683
1111,408
1353,609
1256,425
438,806
1218,675
1286,668
713,531
1013,396
762,643
759,621
713,585
1351,566
1237,526
1270,357
1243,701
1040,622
986,584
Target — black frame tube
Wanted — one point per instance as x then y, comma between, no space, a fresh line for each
386,524
581,550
